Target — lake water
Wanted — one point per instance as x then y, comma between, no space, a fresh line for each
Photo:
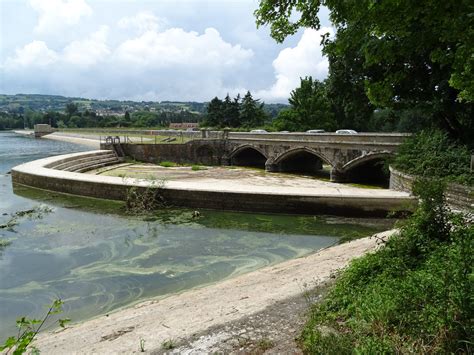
96,258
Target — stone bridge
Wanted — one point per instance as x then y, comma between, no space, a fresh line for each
346,156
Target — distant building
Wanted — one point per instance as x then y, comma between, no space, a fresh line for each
184,125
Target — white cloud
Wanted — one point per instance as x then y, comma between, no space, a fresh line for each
89,51
175,46
142,22
33,55
171,65
56,14
304,59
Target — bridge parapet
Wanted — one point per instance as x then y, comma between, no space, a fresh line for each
324,137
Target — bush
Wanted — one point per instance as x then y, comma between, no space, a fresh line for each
412,295
432,154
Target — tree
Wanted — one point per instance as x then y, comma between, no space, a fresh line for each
232,111
311,103
345,87
215,114
71,109
407,53
251,112
310,108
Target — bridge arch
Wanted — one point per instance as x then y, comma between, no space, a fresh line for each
301,160
369,168
248,155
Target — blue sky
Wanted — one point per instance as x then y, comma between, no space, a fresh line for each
150,50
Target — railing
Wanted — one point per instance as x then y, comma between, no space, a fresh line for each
172,136
142,139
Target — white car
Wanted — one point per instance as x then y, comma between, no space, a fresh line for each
258,131
346,131
315,131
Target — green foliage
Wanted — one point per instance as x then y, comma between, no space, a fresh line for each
29,328
168,164
310,108
168,344
142,200
413,295
142,345
433,154
246,112
391,54
198,167
71,109
251,112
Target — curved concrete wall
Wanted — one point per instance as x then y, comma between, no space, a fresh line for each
457,196
36,174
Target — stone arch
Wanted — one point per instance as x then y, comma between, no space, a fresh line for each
369,168
301,159
248,155
363,159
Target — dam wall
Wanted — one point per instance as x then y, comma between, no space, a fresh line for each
37,174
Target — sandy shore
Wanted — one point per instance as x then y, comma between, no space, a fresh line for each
93,142
90,142
182,315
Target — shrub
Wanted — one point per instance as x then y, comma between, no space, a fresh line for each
142,200
412,295
433,154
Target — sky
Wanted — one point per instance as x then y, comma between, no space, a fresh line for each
150,50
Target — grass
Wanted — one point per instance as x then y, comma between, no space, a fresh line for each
414,295
168,164
198,167
265,344
168,344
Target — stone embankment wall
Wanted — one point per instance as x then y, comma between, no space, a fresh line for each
458,196
39,174
193,152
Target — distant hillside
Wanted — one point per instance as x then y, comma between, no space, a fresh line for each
21,103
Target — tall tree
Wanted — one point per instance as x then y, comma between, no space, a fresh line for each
231,111
251,112
215,113
71,109
409,53
311,103
310,108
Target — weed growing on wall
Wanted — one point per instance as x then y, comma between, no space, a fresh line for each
432,154
414,295
140,200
